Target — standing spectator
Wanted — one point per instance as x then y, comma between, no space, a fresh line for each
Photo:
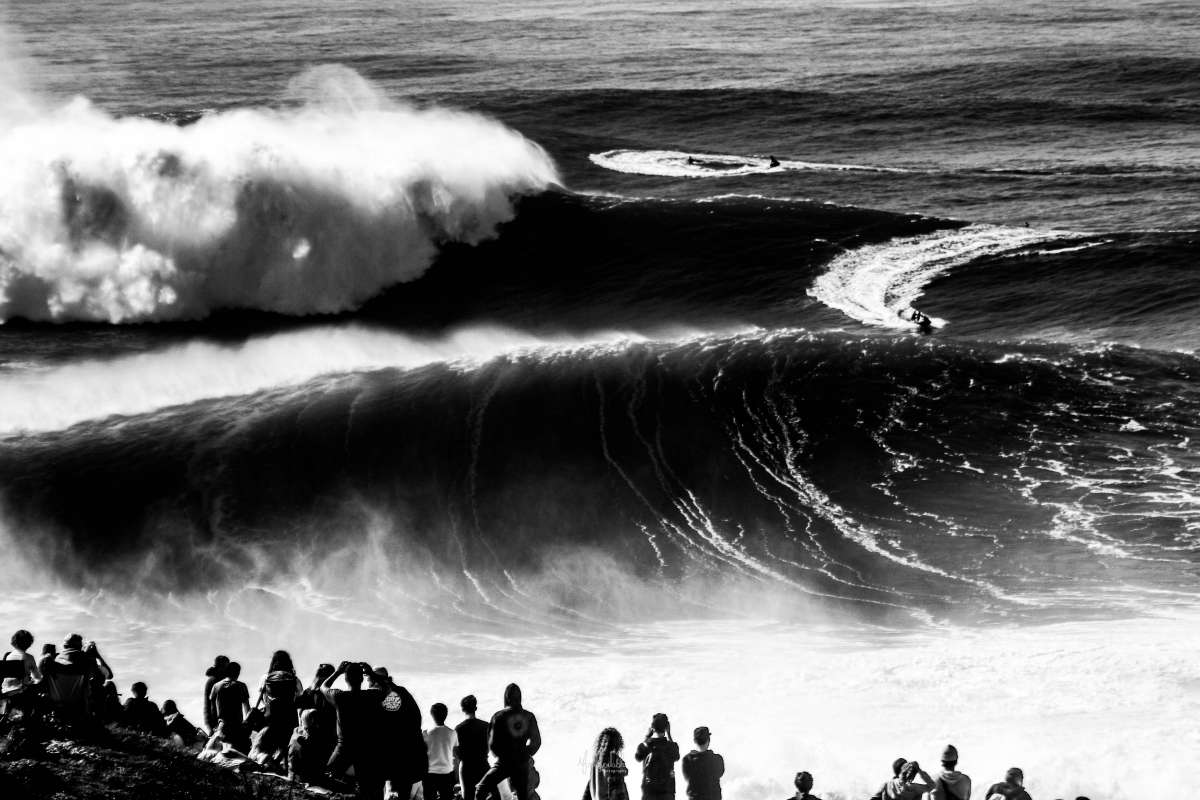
141,714
279,691
702,768
442,743
897,765
231,702
513,738
214,674
658,754
804,784
359,722
1011,788
404,750
608,771
951,784
905,786
472,752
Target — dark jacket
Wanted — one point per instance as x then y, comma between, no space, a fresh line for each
702,769
1009,790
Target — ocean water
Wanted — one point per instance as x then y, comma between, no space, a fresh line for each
571,344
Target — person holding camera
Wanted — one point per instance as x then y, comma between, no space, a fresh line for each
359,724
658,754
905,787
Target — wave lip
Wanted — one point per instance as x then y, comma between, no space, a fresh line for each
313,209
876,284
678,164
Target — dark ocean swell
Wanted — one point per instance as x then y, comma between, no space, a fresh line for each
882,474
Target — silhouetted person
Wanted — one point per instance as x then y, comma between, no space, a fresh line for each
905,787
472,752
606,780
513,738
231,700
109,710
278,692
405,756
213,674
804,785
774,162
359,724
897,765
19,688
178,726
142,714
1011,788
702,768
49,652
441,742
950,784
306,762
658,754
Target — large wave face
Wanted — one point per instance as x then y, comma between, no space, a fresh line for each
888,477
309,209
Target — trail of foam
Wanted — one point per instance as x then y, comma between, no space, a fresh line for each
675,164
876,283
59,397
313,209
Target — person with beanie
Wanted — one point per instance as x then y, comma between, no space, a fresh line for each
1011,788
950,784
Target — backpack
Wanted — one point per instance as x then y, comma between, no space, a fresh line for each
280,694
658,770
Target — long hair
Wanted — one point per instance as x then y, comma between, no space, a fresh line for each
609,741
281,662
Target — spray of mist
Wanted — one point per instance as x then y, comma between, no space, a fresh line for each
312,208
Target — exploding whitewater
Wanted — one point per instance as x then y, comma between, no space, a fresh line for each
310,208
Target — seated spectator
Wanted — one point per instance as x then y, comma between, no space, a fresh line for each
75,679
897,765
179,728
1011,788
141,714
306,758
279,692
109,710
49,652
220,752
18,688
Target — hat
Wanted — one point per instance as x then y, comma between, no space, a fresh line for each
950,753
701,733
1014,774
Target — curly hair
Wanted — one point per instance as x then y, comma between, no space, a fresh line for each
609,741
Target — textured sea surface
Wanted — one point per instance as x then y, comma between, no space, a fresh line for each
572,343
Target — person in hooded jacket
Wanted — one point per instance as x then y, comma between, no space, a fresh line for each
1011,788
905,786
950,784
897,765
513,738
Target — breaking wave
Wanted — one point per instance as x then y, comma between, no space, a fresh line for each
677,164
311,208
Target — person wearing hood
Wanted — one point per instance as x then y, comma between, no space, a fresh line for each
905,787
897,765
513,738
1011,788
951,784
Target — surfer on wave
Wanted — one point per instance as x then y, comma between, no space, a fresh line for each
921,320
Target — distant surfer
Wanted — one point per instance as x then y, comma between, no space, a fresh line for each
774,162
922,321
692,162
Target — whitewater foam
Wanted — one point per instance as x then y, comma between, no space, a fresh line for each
309,209
875,284
679,164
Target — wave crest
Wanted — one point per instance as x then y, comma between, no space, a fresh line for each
310,209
